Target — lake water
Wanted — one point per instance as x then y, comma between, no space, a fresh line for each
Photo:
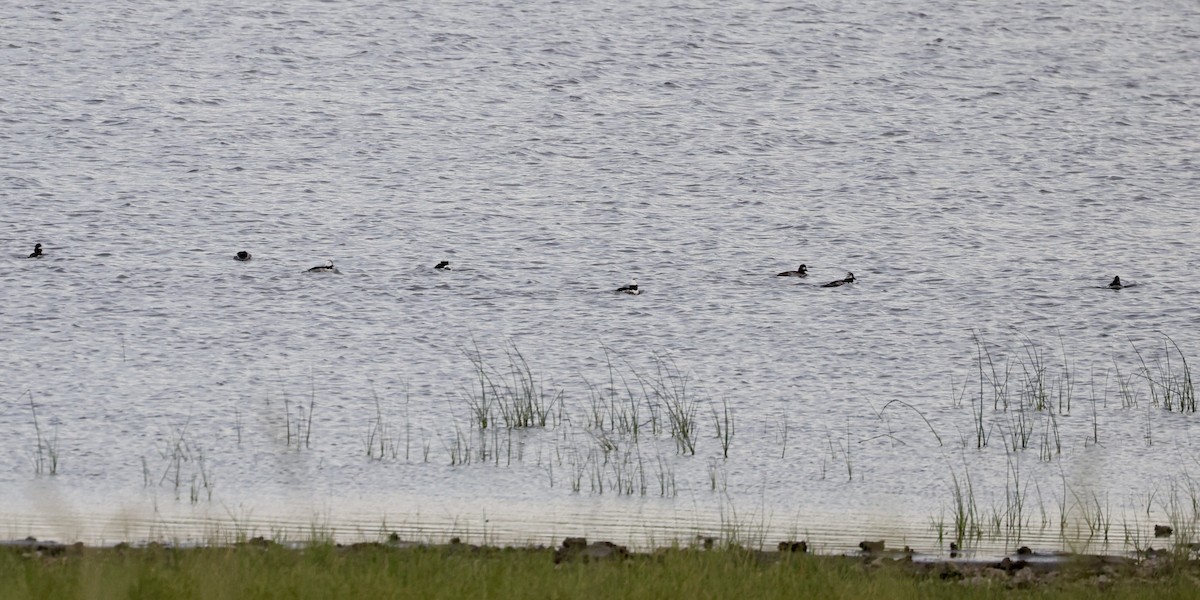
984,169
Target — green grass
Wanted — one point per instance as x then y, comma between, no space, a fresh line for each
326,571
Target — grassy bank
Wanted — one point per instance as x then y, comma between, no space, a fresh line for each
461,571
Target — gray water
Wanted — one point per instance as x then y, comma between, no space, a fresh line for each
983,168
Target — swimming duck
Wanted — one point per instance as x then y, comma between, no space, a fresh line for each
443,266
631,289
37,251
329,268
1116,284
242,255
801,271
849,278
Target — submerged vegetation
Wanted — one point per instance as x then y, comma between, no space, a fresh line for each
635,431
1019,401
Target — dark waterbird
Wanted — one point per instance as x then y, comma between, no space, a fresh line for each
329,268
443,266
801,271
242,256
37,251
1116,284
631,289
849,278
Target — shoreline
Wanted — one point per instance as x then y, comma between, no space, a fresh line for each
260,568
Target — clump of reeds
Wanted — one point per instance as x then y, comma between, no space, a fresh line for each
666,478
671,388
297,428
964,511
1025,389
375,441
618,406
383,438
1169,384
176,452
723,423
45,455
514,391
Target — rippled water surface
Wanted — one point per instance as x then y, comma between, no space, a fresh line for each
983,168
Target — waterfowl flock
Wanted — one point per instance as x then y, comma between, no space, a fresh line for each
631,288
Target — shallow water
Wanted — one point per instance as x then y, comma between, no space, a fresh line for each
983,169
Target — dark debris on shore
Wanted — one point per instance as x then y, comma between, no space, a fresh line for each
1023,569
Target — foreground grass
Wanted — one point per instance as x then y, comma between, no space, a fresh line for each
375,571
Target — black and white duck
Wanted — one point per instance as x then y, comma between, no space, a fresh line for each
849,278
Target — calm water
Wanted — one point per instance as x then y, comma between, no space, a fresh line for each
983,168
